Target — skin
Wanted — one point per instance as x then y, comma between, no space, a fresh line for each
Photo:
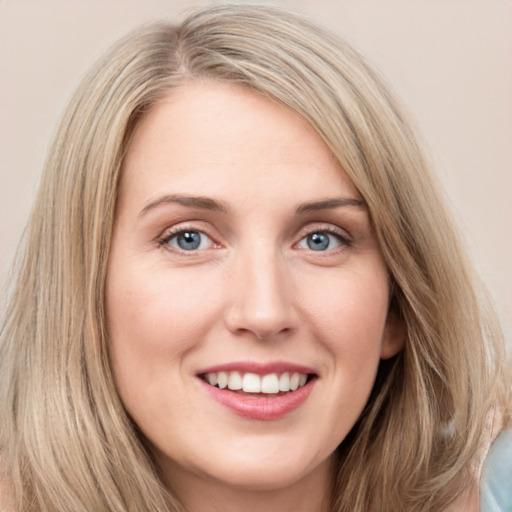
253,291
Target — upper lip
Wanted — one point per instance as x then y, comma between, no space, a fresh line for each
258,367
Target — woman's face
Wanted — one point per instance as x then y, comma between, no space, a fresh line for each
242,256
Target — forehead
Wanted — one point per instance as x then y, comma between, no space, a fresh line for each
212,138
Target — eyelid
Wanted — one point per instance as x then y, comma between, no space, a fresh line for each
175,230
341,234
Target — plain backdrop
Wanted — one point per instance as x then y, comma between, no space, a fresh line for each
450,61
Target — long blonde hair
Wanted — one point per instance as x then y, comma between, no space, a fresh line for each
66,442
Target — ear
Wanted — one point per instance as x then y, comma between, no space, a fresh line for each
393,338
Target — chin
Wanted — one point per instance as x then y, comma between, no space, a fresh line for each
263,479
278,471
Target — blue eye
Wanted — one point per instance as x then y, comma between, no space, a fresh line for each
320,241
189,240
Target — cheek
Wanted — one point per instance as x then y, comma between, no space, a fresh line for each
349,312
157,312
346,313
154,320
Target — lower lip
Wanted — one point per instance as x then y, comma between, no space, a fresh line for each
264,408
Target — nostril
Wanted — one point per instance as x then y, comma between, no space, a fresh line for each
266,334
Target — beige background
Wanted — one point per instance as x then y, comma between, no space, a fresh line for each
449,60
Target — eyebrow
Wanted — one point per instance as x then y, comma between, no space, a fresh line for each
204,203
329,204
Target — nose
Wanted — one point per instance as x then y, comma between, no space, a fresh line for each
261,297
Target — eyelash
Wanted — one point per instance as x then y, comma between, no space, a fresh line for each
344,239
175,231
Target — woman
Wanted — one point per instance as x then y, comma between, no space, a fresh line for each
241,291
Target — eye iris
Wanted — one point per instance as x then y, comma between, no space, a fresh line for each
189,240
318,241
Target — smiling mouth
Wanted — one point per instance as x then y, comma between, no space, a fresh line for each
262,392
251,384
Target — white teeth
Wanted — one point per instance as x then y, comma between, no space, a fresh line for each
212,378
271,383
251,383
294,381
222,379
235,381
284,382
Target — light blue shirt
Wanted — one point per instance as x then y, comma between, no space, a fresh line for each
496,485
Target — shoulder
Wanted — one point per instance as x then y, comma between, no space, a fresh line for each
491,488
496,483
